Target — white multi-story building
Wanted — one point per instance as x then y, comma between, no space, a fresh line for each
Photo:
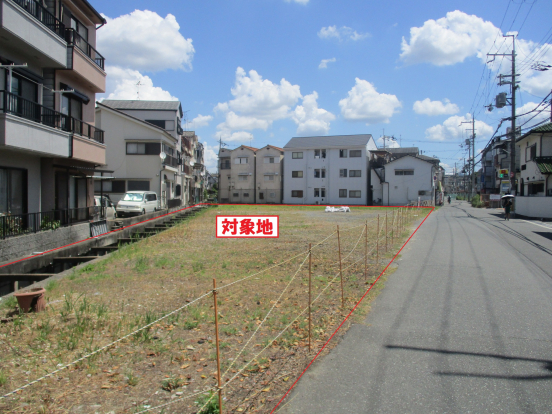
327,169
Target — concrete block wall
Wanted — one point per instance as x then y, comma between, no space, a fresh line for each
14,248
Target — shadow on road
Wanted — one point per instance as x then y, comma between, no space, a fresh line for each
546,364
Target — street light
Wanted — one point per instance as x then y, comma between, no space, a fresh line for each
162,155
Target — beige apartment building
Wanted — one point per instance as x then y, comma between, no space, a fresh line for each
269,175
250,175
49,76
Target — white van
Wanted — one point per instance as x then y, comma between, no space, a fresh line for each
137,202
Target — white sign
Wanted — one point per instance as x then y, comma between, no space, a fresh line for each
494,197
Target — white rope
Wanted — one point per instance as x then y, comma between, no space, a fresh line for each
102,348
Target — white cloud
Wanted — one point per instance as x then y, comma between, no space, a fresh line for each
143,40
389,143
310,119
540,114
324,63
342,33
240,136
201,121
297,1
432,108
210,156
365,104
449,40
121,84
257,102
453,129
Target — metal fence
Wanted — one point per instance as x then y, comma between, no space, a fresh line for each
18,224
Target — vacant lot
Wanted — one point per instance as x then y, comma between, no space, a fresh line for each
262,302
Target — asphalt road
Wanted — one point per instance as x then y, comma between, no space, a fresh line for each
463,326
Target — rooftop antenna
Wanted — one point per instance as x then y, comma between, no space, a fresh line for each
138,89
185,118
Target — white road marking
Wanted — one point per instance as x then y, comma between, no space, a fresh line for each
540,225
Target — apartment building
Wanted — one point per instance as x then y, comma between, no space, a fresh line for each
49,75
269,168
193,166
237,175
327,169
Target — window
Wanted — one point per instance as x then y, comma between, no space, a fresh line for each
116,186
342,193
320,173
354,193
178,190
534,189
261,196
421,193
243,177
297,174
354,173
225,163
319,153
317,192
79,28
157,122
13,191
297,155
269,178
531,152
342,153
355,153
241,160
404,172
138,185
271,160
235,195
297,193
71,106
246,194
322,192
272,195
343,172
148,148
151,197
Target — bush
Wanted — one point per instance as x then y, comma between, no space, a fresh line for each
476,201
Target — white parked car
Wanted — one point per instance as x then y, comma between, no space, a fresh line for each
110,212
137,202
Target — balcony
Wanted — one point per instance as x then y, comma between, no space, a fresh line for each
33,33
29,126
85,61
48,131
171,161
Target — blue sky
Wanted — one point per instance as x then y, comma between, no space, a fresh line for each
259,72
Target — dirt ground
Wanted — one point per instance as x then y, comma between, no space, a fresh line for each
262,300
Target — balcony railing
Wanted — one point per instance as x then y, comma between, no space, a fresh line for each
16,105
38,11
87,130
187,169
75,39
171,161
19,224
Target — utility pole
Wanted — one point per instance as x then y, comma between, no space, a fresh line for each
501,102
221,144
472,145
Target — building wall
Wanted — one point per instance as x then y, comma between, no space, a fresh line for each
531,174
536,207
225,176
271,190
30,163
157,115
405,188
119,130
332,182
242,191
